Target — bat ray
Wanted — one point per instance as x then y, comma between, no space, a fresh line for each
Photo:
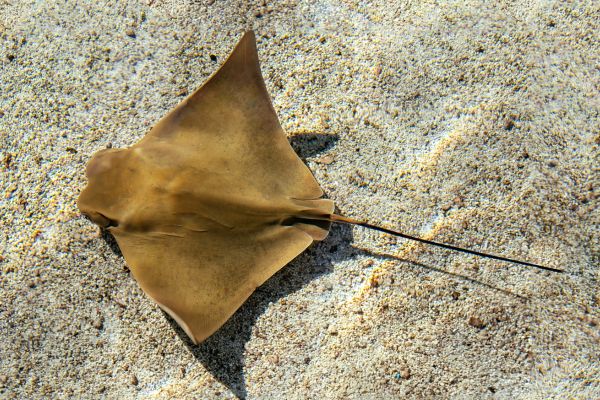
213,200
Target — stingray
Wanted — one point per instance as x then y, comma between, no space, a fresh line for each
213,200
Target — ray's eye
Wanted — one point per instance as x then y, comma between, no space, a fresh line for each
101,220
112,223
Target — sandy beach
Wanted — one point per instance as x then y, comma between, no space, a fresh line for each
470,123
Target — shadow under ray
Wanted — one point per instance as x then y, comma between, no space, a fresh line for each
110,240
384,256
310,144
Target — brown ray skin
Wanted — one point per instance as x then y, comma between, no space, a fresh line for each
212,201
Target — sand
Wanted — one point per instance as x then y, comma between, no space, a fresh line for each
463,122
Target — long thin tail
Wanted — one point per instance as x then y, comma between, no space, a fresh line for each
346,220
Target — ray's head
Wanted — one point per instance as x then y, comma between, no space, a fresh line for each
107,187
212,201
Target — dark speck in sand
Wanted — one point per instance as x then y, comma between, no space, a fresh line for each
476,322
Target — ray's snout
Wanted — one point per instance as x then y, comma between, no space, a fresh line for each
97,200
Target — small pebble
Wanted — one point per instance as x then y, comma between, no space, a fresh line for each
8,160
328,159
367,263
374,281
377,70
274,359
476,322
98,323
405,373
